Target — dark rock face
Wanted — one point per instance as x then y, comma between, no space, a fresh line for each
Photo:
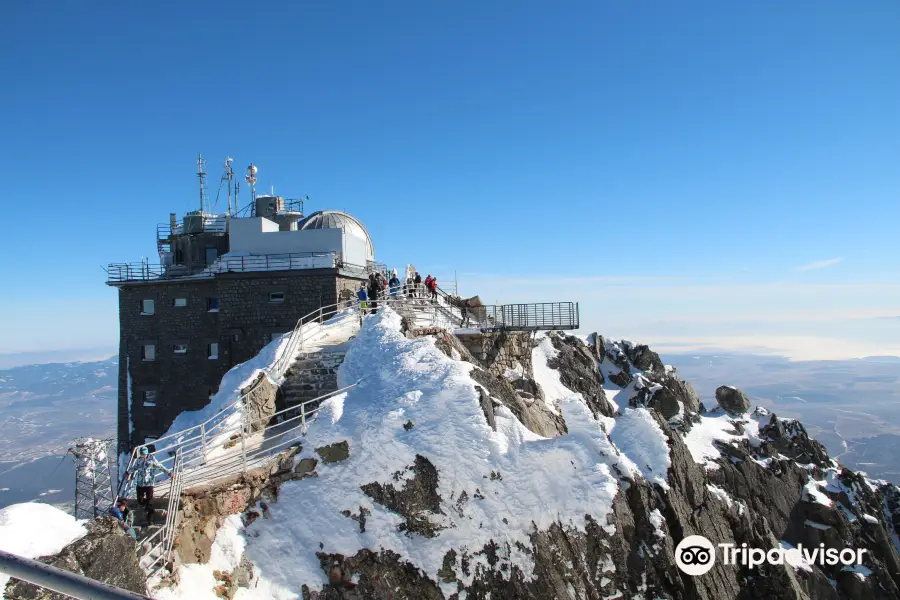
578,371
665,392
106,554
531,412
789,437
732,399
380,575
416,500
261,396
643,358
334,452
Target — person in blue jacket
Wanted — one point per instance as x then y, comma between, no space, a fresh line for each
363,296
144,472
120,511
394,285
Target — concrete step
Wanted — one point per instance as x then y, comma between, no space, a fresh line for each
322,355
310,385
312,374
300,398
306,365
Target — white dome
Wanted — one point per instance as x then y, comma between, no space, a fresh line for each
335,219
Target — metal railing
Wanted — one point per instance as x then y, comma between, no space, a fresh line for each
302,330
62,581
538,316
122,272
158,553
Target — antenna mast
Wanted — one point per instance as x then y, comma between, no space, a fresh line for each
201,175
250,178
229,176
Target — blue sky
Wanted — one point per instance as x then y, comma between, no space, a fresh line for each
672,166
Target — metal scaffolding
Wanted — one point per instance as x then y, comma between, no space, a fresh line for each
94,482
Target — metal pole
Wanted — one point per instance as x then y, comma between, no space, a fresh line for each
244,430
203,440
64,582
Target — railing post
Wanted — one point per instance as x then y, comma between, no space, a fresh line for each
244,432
203,440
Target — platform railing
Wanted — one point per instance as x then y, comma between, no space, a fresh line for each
62,581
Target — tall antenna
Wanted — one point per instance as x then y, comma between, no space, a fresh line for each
251,179
201,174
229,176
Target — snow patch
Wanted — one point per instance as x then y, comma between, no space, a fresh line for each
34,529
812,493
639,437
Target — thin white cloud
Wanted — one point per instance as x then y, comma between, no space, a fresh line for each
820,264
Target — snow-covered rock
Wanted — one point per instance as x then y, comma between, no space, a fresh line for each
444,489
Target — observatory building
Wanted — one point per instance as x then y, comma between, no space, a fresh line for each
226,284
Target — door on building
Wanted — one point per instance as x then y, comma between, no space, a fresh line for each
212,253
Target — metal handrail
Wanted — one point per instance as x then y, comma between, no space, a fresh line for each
62,581
143,271
285,359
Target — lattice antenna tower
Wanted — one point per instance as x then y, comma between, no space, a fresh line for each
201,175
94,482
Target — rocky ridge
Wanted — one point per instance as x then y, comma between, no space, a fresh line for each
733,475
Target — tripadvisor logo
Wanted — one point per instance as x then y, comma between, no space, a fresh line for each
696,555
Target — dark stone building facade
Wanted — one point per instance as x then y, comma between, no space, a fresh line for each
179,336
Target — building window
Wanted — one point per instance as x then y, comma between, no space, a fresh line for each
148,352
276,296
212,305
148,307
212,351
149,397
179,348
179,302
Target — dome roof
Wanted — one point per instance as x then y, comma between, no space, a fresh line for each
335,219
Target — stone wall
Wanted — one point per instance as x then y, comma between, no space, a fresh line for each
499,351
244,322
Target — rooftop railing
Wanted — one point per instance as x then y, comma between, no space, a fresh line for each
122,272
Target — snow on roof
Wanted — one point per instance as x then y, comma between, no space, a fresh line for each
35,529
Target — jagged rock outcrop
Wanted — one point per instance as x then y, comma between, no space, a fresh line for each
732,399
578,371
666,392
415,500
261,399
532,412
106,554
788,437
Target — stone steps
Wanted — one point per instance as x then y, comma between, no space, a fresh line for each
312,375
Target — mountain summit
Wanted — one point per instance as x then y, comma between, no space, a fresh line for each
501,465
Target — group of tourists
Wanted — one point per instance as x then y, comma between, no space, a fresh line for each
383,285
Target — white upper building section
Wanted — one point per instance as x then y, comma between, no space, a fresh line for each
335,232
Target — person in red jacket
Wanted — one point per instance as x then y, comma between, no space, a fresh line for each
427,289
